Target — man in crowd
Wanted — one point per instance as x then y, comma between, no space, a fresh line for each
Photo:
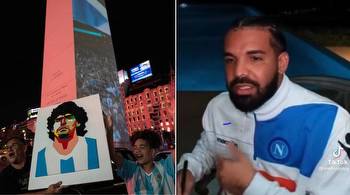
281,137
146,176
14,178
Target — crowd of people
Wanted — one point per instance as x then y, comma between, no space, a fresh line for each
96,73
143,176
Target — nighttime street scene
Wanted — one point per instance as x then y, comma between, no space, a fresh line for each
90,104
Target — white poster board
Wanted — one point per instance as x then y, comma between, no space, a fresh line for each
81,159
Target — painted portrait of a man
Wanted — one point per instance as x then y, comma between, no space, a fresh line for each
70,144
70,150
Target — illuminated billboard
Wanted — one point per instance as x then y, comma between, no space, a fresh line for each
141,71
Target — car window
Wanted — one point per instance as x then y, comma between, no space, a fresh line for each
335,89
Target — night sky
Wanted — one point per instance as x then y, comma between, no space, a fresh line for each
141,30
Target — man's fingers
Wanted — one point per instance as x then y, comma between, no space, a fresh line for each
188,184
54,188
178,182
180,188
58,184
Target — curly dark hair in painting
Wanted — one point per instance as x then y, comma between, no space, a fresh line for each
150,136
71,108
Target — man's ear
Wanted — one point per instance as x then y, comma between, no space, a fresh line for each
283,61
78,124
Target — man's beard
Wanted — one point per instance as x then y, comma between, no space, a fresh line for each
248,103
63,136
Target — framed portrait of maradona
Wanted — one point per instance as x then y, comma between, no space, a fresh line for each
70,145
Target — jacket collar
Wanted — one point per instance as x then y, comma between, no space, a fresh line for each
275,104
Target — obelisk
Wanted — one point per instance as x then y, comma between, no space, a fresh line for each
79,59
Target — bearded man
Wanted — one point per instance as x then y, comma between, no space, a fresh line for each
281,138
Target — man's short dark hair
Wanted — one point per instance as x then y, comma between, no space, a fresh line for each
278,41
71,108
150,136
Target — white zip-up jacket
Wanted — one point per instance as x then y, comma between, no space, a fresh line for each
292,141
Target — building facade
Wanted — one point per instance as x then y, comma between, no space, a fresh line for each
151,109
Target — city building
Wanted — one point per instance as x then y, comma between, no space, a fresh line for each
153,107
150,109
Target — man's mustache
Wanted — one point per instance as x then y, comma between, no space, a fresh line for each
242,80
62,129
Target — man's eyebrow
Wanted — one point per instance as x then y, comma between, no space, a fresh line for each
229,54
256,52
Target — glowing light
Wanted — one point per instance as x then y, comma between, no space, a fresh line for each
183,5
